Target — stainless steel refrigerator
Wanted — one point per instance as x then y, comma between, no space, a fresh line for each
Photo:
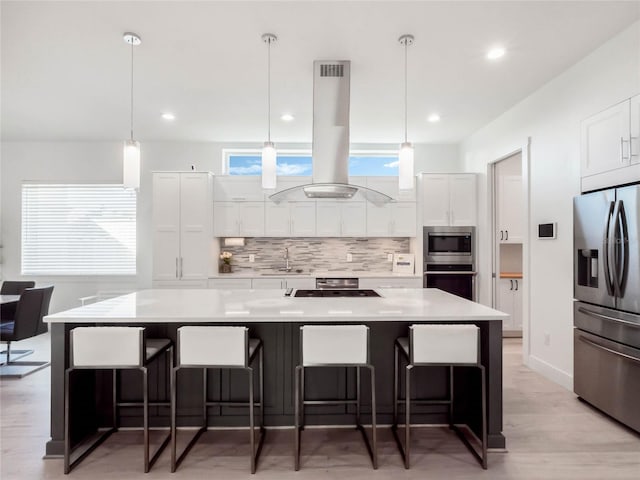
607,308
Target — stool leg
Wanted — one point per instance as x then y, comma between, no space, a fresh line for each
407,415
205,395
145,414
297,381
67,440
395,387
114,398
484,417
252,432
261,373
302,394
174,407
374,436
358,396
451,397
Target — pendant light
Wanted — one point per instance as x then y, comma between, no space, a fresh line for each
405,156
131,160
269,149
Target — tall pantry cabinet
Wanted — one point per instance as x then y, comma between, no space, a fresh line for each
182,228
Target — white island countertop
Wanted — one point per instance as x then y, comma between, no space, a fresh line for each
193,306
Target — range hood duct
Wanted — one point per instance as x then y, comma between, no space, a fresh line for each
330,150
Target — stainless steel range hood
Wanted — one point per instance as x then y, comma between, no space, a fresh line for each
330,150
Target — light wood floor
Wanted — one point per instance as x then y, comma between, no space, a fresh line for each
550,435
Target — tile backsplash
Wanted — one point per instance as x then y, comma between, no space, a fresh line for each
317,254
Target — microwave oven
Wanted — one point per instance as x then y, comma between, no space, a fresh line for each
448,244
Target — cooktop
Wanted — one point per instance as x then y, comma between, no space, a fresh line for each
335,293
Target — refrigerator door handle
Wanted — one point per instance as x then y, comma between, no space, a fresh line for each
606,244
622,244
609,350
607,317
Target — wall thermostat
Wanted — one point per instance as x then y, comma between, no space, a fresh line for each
547,231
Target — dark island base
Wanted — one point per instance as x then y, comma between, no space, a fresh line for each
91,391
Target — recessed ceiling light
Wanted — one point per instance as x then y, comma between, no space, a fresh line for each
496,53
287,117
433,118
168,116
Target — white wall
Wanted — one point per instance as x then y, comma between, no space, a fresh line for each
101,162
551,117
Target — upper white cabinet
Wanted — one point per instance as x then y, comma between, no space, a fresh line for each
290,219
182,225
341,218
395,219
238,219
511,209
449,199
610,140
238,189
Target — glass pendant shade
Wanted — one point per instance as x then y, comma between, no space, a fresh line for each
131,164
269,165
405,166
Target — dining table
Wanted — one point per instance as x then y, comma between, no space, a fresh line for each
4,299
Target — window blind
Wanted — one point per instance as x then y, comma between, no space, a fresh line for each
78,230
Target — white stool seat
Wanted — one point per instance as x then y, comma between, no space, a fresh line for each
215,346
106,346
334,344
450,344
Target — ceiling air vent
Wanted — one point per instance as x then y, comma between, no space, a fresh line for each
327,70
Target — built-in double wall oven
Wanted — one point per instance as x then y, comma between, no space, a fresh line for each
449,260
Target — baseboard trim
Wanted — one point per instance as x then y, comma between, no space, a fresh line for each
549,371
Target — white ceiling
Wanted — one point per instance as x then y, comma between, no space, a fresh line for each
65,67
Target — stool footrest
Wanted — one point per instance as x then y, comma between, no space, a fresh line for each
85,448
330,401
141,404
232,404
176,463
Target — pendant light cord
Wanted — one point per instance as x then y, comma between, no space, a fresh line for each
269,90
405,90
132,91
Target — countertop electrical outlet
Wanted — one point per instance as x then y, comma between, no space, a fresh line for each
349,257
252,258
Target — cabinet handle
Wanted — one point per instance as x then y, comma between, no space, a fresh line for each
506,234
622,142
181,265
176,267
511,281
516,285
501,235
631,140
452,217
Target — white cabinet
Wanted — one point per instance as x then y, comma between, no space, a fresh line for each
511,209
341,219
233,219
390,282
449,199
290,219
238,189
182,225
230,283
605,140
284,282
509,300
395,219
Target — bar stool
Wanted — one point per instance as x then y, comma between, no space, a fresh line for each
222,348
433,345
114,348
335,346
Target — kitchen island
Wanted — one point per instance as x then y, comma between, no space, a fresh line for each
275,318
